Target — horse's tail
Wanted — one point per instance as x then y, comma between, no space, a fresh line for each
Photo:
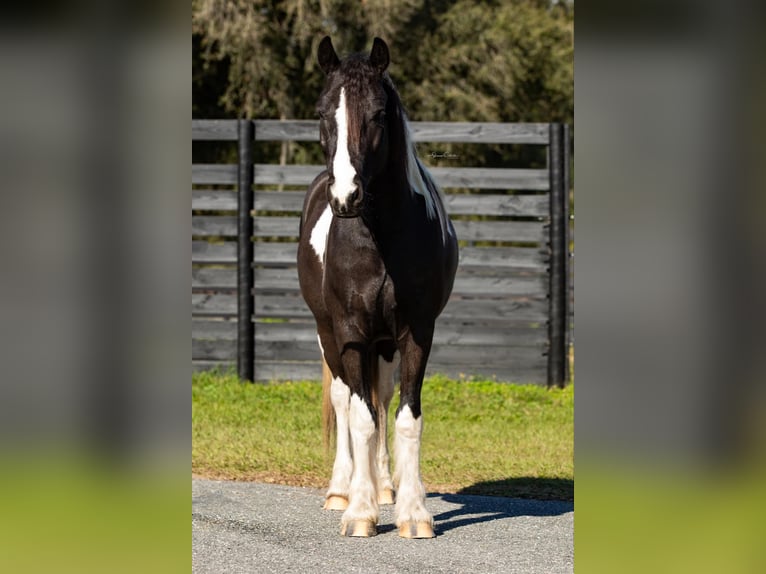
328,413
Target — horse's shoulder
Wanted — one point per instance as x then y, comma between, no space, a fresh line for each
315,195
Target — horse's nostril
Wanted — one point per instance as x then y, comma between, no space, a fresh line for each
355,196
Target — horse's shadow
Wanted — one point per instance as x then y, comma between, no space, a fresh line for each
478,508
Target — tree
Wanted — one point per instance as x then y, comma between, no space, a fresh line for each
270,47
452,60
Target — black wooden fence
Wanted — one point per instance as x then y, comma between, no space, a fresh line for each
510,312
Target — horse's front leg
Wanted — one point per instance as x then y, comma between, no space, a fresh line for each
412,518
361,516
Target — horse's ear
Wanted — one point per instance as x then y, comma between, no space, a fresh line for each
328,59
379,55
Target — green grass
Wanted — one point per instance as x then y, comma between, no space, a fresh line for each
479,437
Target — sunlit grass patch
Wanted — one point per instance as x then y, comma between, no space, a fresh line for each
482,437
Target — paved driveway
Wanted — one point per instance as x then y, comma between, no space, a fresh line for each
252,527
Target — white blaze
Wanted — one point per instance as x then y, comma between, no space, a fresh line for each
342,169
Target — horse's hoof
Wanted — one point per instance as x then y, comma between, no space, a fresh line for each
335,502
359,528
386,496
412,529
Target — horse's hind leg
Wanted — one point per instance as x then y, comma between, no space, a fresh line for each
388,361
339,398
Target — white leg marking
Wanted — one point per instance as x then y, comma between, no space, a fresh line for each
363,499
318,239
342,169
386,372
411,495
341,470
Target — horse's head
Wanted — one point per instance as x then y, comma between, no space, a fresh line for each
353,126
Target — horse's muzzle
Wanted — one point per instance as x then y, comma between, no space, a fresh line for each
351,206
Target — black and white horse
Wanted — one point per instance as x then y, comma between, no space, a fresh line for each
376,260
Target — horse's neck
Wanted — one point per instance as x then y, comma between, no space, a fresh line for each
391,208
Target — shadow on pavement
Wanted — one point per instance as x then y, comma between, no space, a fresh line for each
477,507
525,487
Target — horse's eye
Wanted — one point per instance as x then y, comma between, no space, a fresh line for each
380,118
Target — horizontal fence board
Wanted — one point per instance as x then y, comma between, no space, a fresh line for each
458,132
218,304
214,349
214,200
489,311
491,178
505,205
203,328
484,132
497,311
472,358
502,257
285,280
308,130
499,286
214,174
281,306
526,231
289,130
214,225
497,258
214,278
463,177
288,226
218,130
271,174
275,253
214,253
279,200
276,226
457,204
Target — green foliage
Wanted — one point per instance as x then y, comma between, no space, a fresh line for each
482,437
504,62
452,61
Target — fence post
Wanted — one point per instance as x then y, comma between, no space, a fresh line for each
559,280
245,272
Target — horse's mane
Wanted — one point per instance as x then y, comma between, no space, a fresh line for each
419,178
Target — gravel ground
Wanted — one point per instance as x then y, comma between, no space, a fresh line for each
252,527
